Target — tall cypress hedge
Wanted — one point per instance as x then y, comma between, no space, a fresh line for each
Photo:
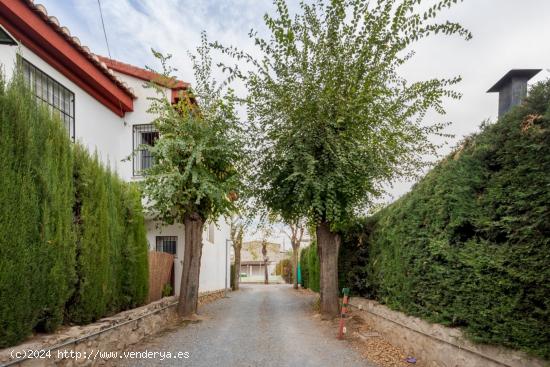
110,241
36,239
72,235
309,267
469,245
313,267
303,267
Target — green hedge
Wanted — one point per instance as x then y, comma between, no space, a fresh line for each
37,248
469,246
303,267
111,243
72,238
309,266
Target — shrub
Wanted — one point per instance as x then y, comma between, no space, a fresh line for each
110,240
353,257
303,267
36,238
313,268
284,269
73,237
469,245
309,267
167,290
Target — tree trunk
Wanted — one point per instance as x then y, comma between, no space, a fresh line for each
328,244
264,253
237,272
295,253
266,275
189,289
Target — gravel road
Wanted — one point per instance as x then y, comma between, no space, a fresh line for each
257,326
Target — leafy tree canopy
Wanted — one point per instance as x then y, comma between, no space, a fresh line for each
197,156
331,117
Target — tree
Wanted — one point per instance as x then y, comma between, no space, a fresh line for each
236,234
266,259
332,118
266,230
195,175
296,234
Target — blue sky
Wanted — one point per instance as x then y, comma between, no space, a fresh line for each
507,34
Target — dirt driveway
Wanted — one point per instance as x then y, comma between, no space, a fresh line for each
260,325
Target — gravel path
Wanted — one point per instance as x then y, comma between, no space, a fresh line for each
257,326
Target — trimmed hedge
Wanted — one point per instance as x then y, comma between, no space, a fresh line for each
309,266
303,267
469,246
111,243
37,249
72,240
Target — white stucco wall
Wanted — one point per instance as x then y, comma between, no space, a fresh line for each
7,60
137,117
96,126
213,260
101,130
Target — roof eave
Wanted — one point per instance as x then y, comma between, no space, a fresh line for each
31,26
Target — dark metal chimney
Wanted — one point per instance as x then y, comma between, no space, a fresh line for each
512,88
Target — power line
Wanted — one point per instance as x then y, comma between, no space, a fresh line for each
107,43
104,31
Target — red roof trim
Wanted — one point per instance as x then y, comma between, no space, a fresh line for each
140,73
146,75
44,37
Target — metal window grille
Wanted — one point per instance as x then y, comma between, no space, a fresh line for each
167,244
58,99
144,136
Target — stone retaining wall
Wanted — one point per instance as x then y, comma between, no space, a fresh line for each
436,345
109,334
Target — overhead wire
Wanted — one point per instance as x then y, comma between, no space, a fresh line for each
107,44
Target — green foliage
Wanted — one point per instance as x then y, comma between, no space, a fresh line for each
314,276
309,266
111,244
284,269
332,120
167,290
469,245
199,149
354,255
73,240
232,279
303,267
36,238
135,266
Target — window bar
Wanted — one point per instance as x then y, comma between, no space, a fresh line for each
49,92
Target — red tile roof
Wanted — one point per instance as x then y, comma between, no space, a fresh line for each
31,26
75,42
143,74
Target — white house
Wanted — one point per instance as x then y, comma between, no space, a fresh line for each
103,104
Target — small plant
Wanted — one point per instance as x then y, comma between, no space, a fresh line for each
167,290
